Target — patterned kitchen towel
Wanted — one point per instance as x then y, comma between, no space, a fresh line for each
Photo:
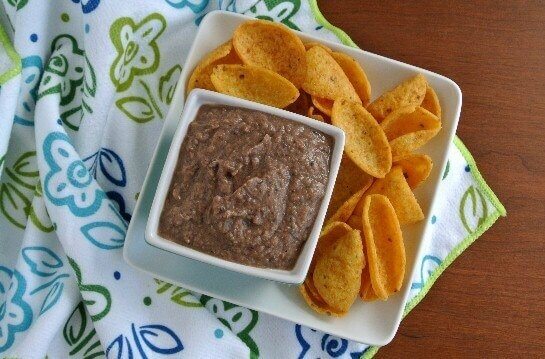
80,114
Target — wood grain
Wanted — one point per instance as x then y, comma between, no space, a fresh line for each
491,301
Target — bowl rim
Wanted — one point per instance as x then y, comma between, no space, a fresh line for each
196,99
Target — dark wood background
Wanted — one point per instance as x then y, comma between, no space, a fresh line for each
491,301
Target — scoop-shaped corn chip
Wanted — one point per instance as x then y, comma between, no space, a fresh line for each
409,128
308,45
416,168
410,92
384,246
313,299
323,104
200,78
344,212
350,179
366,288
315,115
366,142
337,275
325,77
255,84
330,233
354,221
431,102
355,74
395,187
272,46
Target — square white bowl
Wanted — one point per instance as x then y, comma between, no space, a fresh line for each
373,323
198,98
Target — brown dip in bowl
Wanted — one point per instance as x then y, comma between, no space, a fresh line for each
247,186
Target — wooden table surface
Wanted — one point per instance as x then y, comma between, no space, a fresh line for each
491,301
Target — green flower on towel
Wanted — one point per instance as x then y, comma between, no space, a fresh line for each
64,70
273,10
137,51
18,4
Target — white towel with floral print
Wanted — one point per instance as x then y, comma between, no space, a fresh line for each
78,126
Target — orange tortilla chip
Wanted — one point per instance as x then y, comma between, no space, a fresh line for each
355,74
431,102
330,233
416,168
409,128
350,180
315,116
337,274
313,299
323,104
254,84
395,187
347,208
325,78
355,220
308,45
200,78
410,92
272,46
366,288
366,142
384,246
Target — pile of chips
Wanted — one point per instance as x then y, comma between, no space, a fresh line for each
360,250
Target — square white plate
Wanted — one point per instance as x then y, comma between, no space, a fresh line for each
373,323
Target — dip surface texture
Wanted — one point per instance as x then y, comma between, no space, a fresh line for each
247,186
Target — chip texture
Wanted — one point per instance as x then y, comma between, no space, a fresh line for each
416,168
325,77
272,46
383,245
330,233
409,128
350,179
329,236
317,116
366,142
200,78
431,102
323,104
311,44
367,293
395,187
255,84
410,92
355,74
337,275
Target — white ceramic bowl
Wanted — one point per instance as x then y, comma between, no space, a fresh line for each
367,322
196,99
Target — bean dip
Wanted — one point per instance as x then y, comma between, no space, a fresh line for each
247,186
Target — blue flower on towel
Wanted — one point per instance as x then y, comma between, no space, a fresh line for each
428,266
15,313
45,263
87,6
313,341
31,75
68,181
195,5
144,341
